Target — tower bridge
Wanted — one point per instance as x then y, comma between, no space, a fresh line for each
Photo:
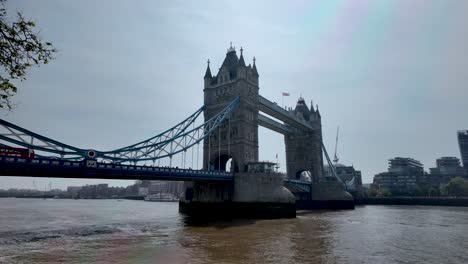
233,109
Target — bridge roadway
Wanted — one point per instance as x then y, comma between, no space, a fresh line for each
91,169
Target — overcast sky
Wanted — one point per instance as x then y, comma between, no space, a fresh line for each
392,74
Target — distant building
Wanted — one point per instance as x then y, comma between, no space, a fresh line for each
407,176
173,187
446,169
463,144
405,166
87,192
72,191
401,177
143,191
447,166
98,191
157,187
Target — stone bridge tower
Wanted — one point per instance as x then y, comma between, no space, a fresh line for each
257,193
304,147
233,79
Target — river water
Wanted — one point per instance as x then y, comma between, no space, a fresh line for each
112,231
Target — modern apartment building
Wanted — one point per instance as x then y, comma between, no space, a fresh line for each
463,144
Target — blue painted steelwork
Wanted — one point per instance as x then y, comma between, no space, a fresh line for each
91,169
176,144
302,185
163,137
49,145
172,141
332,167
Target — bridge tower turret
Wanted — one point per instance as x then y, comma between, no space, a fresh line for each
304,148
237,138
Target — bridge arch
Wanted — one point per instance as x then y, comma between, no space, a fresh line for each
304,175
223,162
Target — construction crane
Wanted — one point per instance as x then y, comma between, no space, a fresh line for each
335,159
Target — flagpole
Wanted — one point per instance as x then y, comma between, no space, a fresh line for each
283,94
277,163
282,100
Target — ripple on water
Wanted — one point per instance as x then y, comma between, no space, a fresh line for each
139,232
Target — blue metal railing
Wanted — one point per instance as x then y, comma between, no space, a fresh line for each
19,166
303,185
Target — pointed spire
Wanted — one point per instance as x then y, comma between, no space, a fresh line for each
241,59
231,48
208,71
312,105
255,67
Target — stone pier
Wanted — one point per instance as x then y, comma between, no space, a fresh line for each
327,195
250,195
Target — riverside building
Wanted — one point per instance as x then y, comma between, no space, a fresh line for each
401,177
446,169
407,176
463,144
447,166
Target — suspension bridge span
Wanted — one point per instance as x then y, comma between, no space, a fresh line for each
228,179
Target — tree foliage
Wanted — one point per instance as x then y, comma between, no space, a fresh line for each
385,192
20,49
380,192
456,187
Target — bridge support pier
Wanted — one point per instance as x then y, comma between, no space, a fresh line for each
250,195
326,195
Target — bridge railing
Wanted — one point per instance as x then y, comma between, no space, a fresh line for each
303,185
28,163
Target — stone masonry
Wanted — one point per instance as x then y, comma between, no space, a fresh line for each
304,148
234,79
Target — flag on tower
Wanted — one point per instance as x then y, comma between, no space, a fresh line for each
285,94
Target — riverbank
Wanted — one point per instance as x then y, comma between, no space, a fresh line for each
434,201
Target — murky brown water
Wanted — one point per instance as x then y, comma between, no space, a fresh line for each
111,231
